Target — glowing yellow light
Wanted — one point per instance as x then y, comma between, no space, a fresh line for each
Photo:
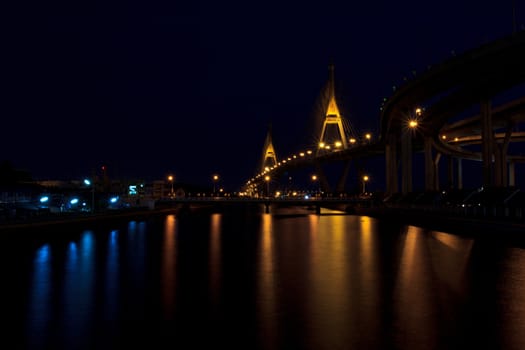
170,178
352,140
308,152
368,136
444,137
301,154
332,108
365,178
456,139
412,124
418,111
267,178
314,177
321,144
327,147
216,177
338,144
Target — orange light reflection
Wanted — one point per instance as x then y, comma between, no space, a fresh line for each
168,266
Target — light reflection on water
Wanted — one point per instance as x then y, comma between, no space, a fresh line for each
512,299
169,254
39,309
415,303
215,258
78,293
266,288
279,280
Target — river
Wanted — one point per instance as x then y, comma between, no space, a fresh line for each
249,280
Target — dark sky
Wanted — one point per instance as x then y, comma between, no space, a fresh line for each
190,88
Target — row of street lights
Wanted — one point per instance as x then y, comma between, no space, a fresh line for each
171,179
314,178
305,154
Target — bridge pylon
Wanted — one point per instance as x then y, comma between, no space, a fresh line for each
333,135
269,157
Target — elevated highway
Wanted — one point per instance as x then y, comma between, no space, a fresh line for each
446,91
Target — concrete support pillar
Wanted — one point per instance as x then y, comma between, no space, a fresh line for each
512,174
504,169
500,156
460,174
406,162
498,162
391,165
504,158
429,165
436,171
487,141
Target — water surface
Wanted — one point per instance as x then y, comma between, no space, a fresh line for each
286,280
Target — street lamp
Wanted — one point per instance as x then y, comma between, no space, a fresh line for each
314,179
365,180
215,179
88,182
413,121
267,179
170,179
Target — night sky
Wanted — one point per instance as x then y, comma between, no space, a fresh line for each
149,90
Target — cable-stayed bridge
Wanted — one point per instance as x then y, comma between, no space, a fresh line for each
426,118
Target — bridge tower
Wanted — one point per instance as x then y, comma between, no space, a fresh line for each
332,139
269,158
334,135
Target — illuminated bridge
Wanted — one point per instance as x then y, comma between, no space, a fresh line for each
464,109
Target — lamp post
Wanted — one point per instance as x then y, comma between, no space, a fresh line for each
170,179
314,179
412,125
365,180
215,179
267,179
88,182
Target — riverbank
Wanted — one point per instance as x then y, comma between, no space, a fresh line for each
67,220
433,220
